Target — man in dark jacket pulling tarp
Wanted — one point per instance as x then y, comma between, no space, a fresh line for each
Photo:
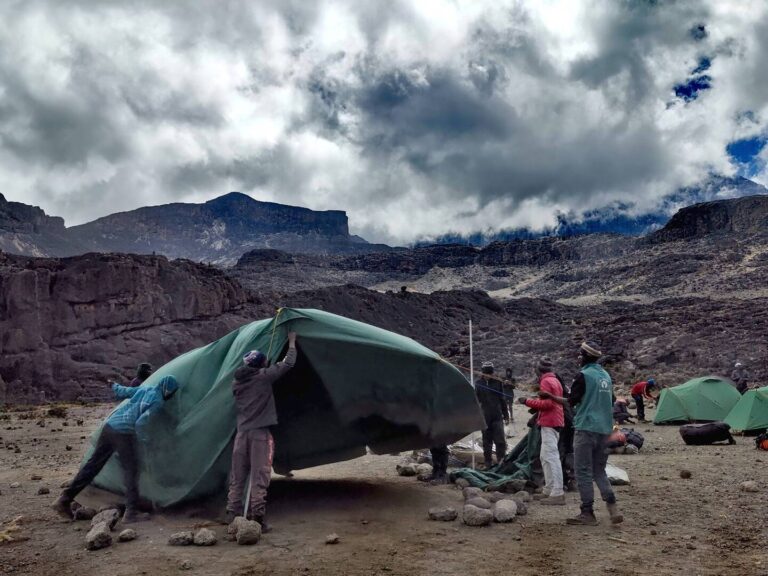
490,395
120,433
254,447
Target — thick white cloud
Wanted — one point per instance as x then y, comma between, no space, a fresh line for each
417,118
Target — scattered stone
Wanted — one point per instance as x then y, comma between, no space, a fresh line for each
474,516
462,483
80,422
98,537
504,511
43,490
35,477
479,502
749,486
472,492
334,538
685,474
181,539
494,497
17,450
84,513
653,532
631,449
446,514
185,565
522,507
127,535
204,537
690,546
523,495
248,532
68,448
406,469
423,471
108,517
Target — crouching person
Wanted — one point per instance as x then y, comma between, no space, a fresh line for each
119,435
254,446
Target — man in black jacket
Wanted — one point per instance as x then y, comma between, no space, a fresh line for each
490,395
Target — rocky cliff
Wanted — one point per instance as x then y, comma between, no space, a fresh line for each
748,215
68,325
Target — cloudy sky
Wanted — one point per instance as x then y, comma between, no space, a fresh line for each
417,118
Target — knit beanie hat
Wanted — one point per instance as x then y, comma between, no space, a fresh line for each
254,358
591,349
487,367
545,365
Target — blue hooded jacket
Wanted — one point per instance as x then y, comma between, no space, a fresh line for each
132,416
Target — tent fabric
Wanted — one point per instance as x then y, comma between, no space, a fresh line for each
522,463
705,399
751,412
353,386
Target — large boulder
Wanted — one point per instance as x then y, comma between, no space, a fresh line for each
504,511
98,537
474,516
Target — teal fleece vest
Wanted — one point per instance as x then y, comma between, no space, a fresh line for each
595,411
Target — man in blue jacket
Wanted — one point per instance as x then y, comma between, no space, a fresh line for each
119,435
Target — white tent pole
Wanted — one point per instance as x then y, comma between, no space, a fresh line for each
472,381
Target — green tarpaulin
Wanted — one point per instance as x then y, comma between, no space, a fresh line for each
709,398
353,386
751,412
521,464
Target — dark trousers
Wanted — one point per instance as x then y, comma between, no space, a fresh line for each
110,442
590,457
439,459
640,407
565,446
494,434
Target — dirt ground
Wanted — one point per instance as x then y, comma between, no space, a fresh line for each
704,525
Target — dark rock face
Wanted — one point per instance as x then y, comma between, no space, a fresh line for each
219,231
746,215
69,325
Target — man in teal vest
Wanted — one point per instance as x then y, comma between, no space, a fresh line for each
592,400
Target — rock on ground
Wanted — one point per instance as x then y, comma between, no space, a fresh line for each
43,490
749,486
494,497
333,538
408,469
479,503
504,511
98,537
631,449
127,535
84,513
523,495
522,507
108,517
423,471
472,492
204,537
181,539
474,516
462,483
244,531
445,514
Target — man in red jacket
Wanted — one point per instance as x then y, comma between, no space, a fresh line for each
551,421
641,392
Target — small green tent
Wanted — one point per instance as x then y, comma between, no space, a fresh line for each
353,386
751,412
709,398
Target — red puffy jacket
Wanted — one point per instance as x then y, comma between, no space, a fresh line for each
550,412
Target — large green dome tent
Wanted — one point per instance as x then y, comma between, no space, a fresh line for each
353,386
709,398
751,412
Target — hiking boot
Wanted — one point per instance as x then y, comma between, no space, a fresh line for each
63,507
583,519
616,516
553,501
229,517
541,496
131,516
439,479
265,528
